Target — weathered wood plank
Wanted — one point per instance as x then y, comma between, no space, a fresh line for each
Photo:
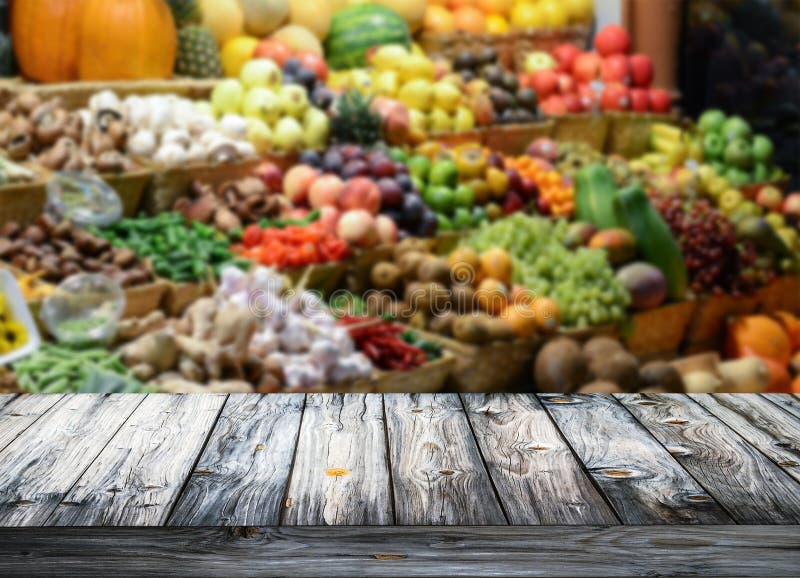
18,415
747,484
766,427
341,473
790,403
396,551
6,398
43,463
242,475
538,479
438,474
137,477
643,482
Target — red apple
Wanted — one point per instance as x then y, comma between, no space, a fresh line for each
615,97
612,39
315,63
572,103
325,191
525,80
770,198
791,206
587,67
545,83
297,183
616,69
329,218
641,70
660,100
271,175
553,105
565,55
640,99
566,84
589,98
361,193
274,50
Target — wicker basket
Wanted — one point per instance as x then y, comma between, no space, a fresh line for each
450,45
366,385
23,202
360,266
658,333
706,332
514,139
177,297
144,299
324,278
456,139
428,378
783,294
629,133
589,128
131,188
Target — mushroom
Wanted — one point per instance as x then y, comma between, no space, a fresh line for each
100,142
106,117
177,136
20,140
110,162
143,143
222,151
24,103
105,100
51,124
170,155
74,127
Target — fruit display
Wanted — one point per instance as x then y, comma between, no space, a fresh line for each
601,365
501,16
176,250
54,251
253,335
581,283
356,29
610,79
556,193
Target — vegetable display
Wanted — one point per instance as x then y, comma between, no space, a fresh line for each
389,346
290,247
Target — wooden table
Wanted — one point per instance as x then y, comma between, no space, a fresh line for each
412,485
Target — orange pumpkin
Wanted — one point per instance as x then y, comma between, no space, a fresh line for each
791,324
779,379
46,37
795,387
126,40
760,336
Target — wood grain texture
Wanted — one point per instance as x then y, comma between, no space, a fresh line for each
790,403
19,414
747,484
643,482
42,464
341,474
538,479
242,475
137,477
774,432
438,473
6,398
433,551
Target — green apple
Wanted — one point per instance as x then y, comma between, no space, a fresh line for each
738,154
440,198
227,96
711,121
444,173
737,177
445,224
261,72
539,60
713,146
763,149
398,155
462,219
478,216
419,167
294,100
464,197
736,128
263,104
316,129
259,134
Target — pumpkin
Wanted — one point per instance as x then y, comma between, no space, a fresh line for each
760,336
795,387
126,40
791,324
46,38
779,379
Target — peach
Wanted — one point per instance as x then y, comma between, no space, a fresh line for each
357,227
387,230
329,218
361,193
297,182
325,191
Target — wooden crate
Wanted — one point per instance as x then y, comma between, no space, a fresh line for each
22,203
360,266
783,294
131,188
428,378
589,128
706,332
658,333
629,133
514,139
177,297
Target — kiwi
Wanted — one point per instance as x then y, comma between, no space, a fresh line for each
443,324
620,367
560,366
419,320
410,244
463,298
469,329
662,375
601,347
499,329
600,387
378,304
434,270
386,276
409,264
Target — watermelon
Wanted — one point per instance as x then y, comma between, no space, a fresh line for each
356,29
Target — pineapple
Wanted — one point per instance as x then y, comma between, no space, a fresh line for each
185,12
354,122
198,53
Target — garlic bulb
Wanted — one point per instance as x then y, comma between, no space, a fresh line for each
142,143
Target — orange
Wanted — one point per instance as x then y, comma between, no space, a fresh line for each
527,15
795,387
439,19
500,7
497,264
492,297
522,320
556,13
464,265
496,25
470,19
547,315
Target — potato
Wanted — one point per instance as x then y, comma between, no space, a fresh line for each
560,367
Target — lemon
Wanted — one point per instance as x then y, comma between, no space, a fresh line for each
417,94
236,53
496,24
389,57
